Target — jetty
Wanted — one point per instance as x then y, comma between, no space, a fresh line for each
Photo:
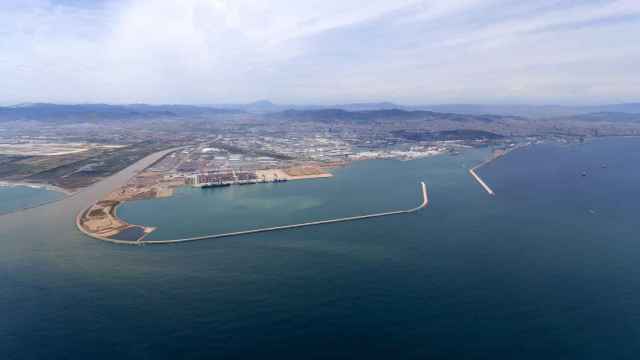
423,204
477,177
484,185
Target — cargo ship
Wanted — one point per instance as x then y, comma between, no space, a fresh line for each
214,185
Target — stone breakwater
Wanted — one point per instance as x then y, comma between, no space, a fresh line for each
141,241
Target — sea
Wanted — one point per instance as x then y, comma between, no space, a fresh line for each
548,268
20,197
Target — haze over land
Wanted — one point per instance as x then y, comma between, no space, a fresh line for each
320,52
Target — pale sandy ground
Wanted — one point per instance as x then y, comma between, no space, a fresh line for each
50,149
107,225
272,174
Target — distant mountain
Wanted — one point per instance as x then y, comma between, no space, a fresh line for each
265,107
374,111
184,110
261,106
606,117
631,108
369,106
101,112
89,112
256,107
339,115
530,111
458,134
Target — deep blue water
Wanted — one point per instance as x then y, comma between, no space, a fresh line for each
14,198
547,269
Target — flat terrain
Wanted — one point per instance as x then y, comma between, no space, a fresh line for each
75,169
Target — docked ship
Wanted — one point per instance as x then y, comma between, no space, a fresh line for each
208,180
214,185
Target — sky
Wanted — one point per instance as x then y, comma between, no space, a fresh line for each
320,51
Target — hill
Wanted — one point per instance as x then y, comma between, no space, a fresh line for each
103,112
339,115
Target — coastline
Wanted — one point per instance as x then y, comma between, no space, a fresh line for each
6,183
111,205
102,215
67,194
80,192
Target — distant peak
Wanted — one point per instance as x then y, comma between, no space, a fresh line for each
25,105
262,103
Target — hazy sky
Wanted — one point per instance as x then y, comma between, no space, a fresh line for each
320,51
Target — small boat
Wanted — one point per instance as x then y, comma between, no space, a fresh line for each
584,173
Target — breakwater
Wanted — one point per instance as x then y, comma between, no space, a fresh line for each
477,177
423,204
484,185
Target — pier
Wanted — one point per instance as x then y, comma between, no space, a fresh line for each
486,187
425,203
495,157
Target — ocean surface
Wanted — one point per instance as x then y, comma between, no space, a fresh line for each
13,198
549,268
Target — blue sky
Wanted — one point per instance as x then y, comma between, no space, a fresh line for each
320,51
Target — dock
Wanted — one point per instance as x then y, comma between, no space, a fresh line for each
423,204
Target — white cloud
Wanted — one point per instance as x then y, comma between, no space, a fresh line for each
320,51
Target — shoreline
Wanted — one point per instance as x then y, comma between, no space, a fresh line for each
109,207
67,194
8,183
80,191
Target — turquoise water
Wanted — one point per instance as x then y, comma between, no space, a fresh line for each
14,198
547,269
